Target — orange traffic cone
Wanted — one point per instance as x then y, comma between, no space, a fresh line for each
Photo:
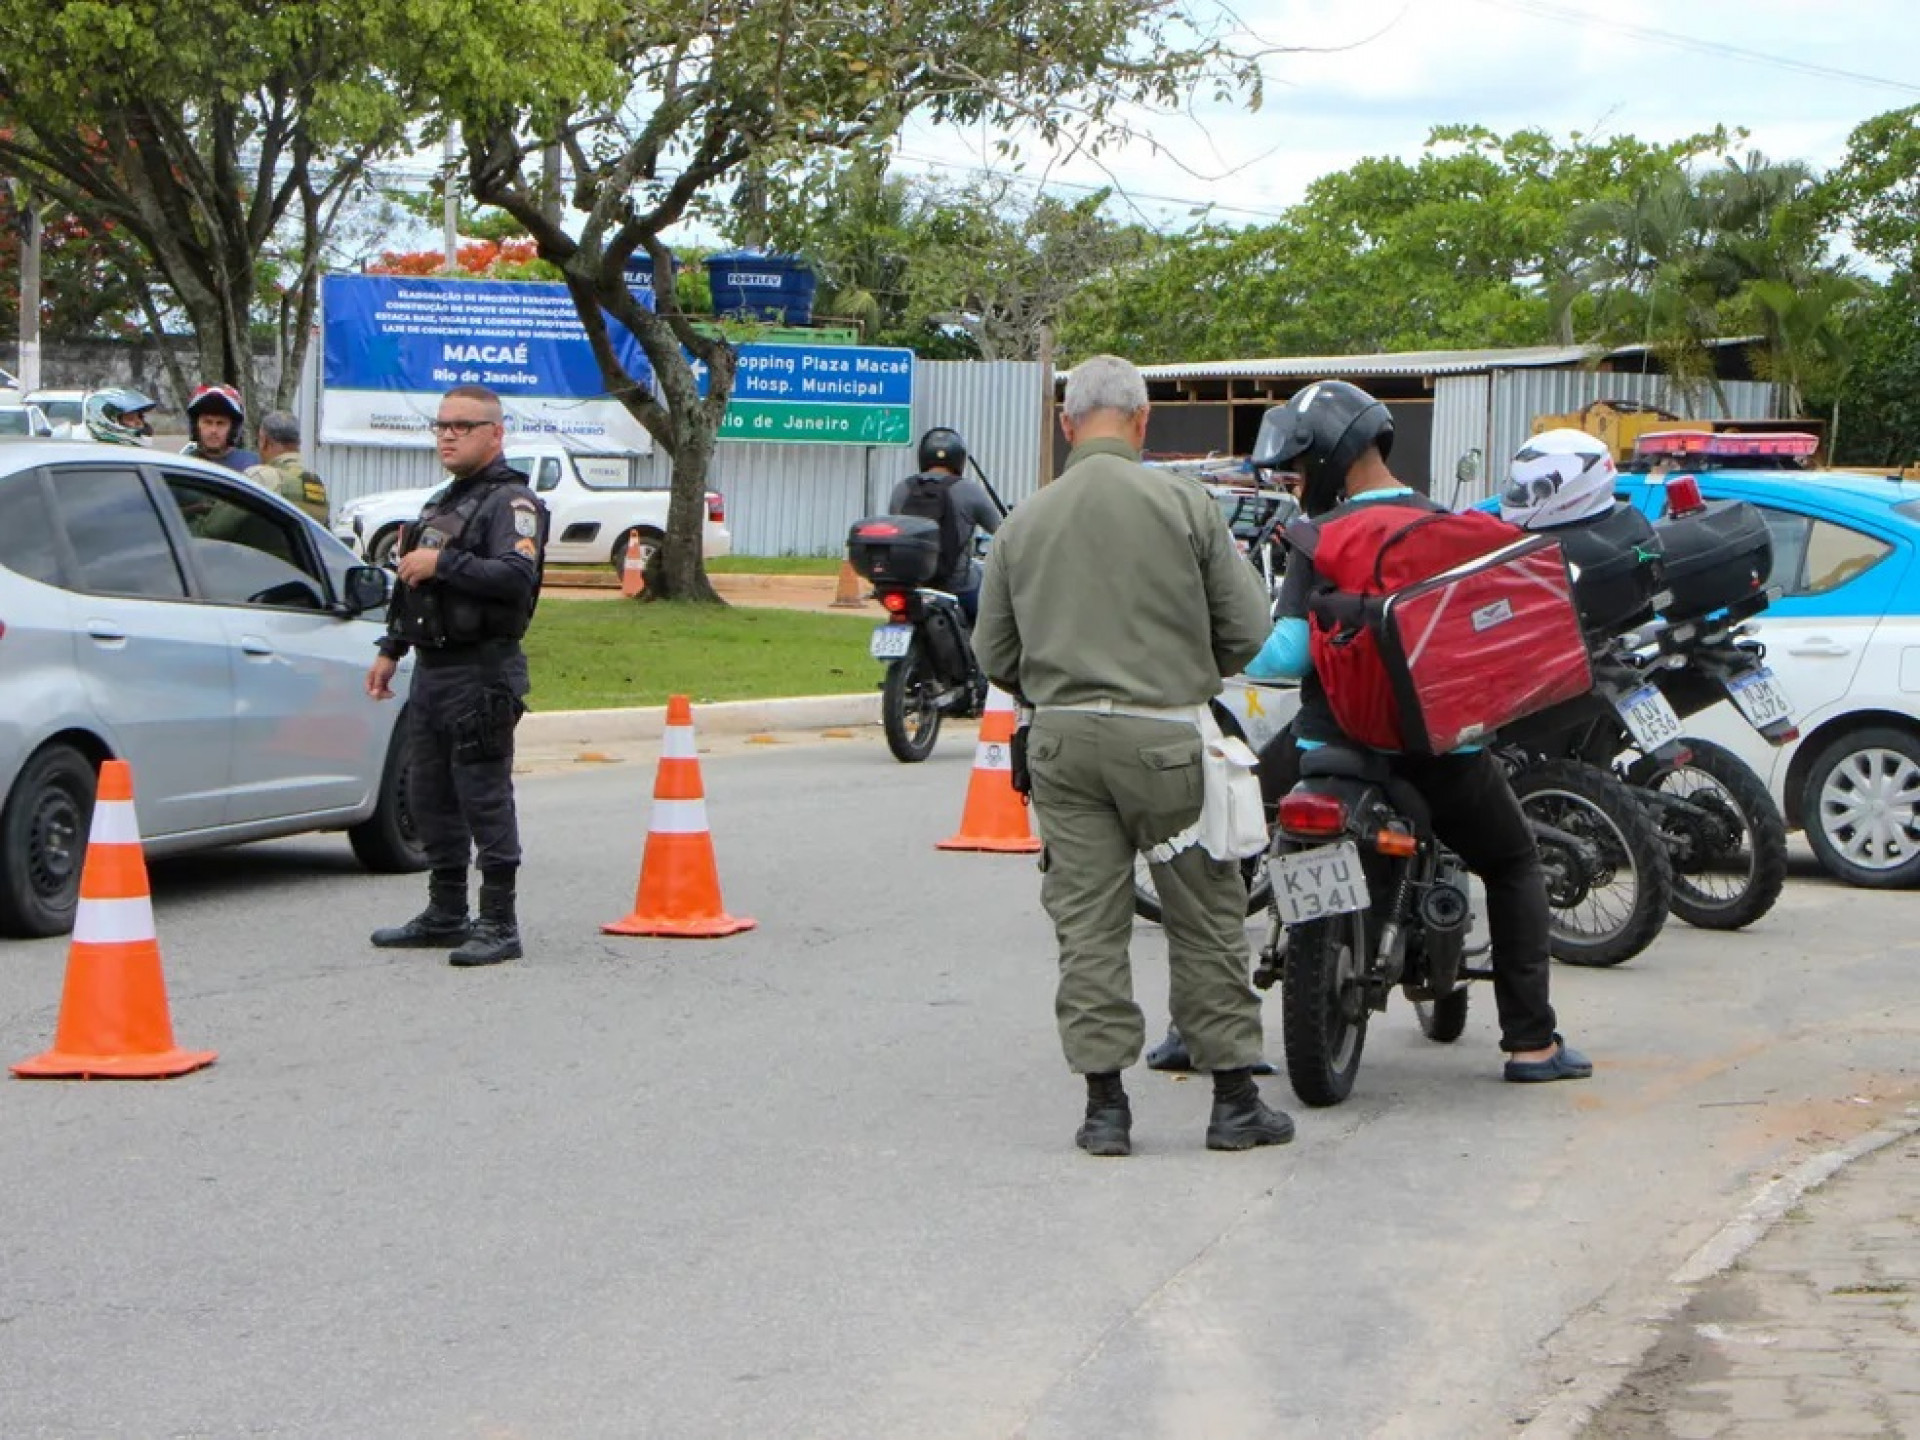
848,593
633,569
113,1012
679,883
996,816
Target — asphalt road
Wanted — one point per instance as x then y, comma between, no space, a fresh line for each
818,1180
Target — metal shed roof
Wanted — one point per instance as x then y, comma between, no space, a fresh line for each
1406,362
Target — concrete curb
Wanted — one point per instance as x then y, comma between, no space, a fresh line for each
731,717
1571,1411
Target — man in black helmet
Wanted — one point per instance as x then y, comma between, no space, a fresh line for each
943,492
1338,437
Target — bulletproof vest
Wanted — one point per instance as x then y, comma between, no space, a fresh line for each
435,616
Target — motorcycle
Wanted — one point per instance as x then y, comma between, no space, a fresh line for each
925,642
1364,899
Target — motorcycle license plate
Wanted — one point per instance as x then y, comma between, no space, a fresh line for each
1649,718
1761,699
890,642
1313,884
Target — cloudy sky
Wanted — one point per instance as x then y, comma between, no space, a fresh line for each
1799,76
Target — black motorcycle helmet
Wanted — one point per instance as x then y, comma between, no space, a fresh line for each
943,447
1320,432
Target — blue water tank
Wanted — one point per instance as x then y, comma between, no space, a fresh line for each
756,285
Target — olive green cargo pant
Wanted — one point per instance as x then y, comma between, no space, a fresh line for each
1104,788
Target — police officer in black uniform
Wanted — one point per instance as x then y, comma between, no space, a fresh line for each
469,572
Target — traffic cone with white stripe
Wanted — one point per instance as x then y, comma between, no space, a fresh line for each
113,1012
633,569
679,892
995,817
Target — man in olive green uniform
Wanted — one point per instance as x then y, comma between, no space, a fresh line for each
281,469
1113,602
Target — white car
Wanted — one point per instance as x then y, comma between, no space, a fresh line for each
590,524
24,422
65,409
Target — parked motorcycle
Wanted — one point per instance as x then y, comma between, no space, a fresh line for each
1723,837
1365,899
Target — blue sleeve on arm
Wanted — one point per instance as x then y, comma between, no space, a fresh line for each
1285,656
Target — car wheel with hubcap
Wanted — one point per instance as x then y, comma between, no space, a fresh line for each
1861,808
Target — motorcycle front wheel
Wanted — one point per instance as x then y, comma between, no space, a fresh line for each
1323,1007
1726,836
1609,877
1443,1020
909,711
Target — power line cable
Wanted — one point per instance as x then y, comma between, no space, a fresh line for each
1699,45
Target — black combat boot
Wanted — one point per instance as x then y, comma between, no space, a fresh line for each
496,934
442,924
1241,1119
1108,1129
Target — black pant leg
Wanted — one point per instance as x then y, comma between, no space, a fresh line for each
431,792
1279,769
1478,817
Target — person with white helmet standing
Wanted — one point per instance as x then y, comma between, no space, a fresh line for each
216,415
1559,477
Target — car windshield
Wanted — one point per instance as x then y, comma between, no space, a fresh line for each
61,412
14,422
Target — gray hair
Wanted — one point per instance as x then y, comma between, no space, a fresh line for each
1104,382
281,427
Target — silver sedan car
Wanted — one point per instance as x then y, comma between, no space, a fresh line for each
169,613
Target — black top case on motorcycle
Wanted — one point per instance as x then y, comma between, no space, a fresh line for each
1715,558
1617,566
900,551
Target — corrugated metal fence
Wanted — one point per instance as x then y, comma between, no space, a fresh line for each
1491,414
787,499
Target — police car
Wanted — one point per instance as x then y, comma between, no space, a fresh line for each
1842,638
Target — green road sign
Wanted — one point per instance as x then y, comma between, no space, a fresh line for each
825,424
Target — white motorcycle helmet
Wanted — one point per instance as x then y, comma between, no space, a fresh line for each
1559,477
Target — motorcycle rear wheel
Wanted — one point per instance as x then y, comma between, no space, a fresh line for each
909,711
1443,1020
1323,1007
1730,866
1608,912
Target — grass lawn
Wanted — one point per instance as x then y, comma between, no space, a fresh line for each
726,565
775,565
597,654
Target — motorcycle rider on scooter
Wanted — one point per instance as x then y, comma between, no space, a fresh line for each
942,491
1339,436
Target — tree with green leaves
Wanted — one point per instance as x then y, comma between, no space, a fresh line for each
1466,247
669,105
222,138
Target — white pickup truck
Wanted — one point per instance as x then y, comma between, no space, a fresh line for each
590,523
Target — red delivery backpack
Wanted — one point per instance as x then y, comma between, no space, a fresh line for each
1431,630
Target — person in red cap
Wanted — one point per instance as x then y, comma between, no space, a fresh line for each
216,414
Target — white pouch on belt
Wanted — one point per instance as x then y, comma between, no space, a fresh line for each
1233,817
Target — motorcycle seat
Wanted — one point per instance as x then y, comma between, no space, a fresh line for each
1345,763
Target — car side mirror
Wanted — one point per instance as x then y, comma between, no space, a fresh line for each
368,587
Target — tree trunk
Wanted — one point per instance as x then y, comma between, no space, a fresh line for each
678,570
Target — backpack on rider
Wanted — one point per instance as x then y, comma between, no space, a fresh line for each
1428,630
942,458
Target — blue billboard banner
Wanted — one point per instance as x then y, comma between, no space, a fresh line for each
394,344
